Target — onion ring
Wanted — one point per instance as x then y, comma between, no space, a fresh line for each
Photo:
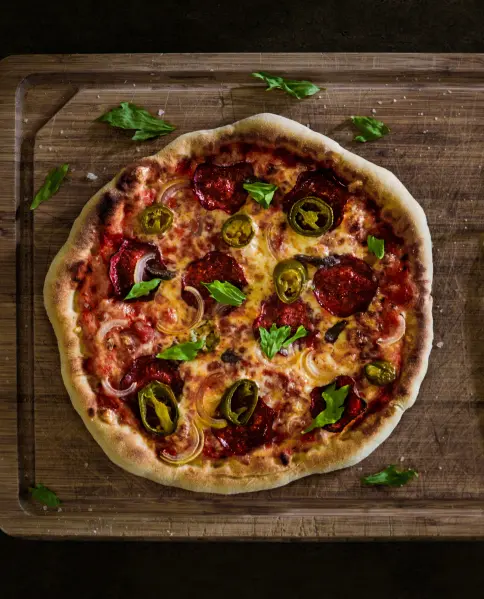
172,187
308,365
110,390
269,232
139,269
197,319
110,324
396,335
197,441
199,402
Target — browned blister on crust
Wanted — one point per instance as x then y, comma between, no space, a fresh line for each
270,465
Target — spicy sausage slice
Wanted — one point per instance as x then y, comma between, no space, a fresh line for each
354,405
123,264
146,369
274,311
240,439
321,184
345,287
214,266
221,187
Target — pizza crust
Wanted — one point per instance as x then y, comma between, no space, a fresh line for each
125,446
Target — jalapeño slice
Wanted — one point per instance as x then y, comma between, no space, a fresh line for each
239,401
158,408
156,219
380,372
311,217
289,278
238,231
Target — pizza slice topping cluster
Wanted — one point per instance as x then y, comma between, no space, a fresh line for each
272,327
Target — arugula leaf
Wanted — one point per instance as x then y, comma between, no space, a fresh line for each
183,351
51,185
297,88
301,332
376,246
277,337
130,116
143,288
261,192
44,495
335,399
225,293
370,128
390,477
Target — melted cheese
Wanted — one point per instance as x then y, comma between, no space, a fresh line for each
283,384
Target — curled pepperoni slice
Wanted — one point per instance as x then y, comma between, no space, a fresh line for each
346,287
322,184
221,187
145,369
123,263
239,440
214,266
354,404
275,311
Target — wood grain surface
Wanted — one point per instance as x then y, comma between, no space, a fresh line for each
434,106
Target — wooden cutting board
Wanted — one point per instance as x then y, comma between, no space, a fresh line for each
435,108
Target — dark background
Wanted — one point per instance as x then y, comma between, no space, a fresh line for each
330,570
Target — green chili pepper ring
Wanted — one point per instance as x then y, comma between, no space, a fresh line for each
380,372
156,219
289,278
239,401
311,217
238,231
157,402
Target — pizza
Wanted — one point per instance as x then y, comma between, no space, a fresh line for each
249,306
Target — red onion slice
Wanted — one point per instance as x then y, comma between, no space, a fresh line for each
140,267
396,334
110,390
173,187
194,449
199,401
197,319
269,237
109,325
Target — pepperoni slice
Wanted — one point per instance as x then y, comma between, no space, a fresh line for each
123,263
145,369
396,284
214,266
239,440
322,184
354,404
275,311
346,287
221,187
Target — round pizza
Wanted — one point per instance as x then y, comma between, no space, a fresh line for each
249,306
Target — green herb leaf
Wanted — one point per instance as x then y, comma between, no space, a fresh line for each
261,192
301,332
295,88
225,293
376,246
369,127
44,495
335,399
276,338
183,351
51,185
390,477
143,288
130,116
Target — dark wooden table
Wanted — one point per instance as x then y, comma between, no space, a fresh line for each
337,570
